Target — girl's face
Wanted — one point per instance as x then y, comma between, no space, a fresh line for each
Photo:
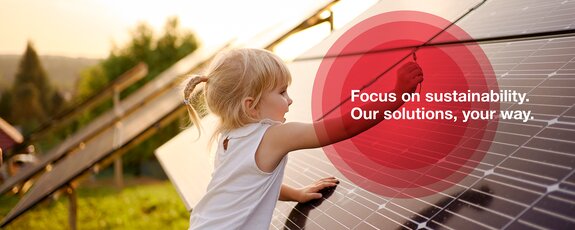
274,104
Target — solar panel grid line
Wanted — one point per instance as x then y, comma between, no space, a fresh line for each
547,59
511,201
510,133
330,222
461,203
286,224
277,222
558,215
510,205
559,43
401,223
314,167
538,66
536,178
484,222
537,142
562,199
559,83
560,133
542,163
359,204
351,219
536,201
468,225
534,163
553,100
511,48
562,14
527,13
512,67
549,91
559,157
416,212
528,224
364,225
504,143
571,143
558,18
537,217
497,172
523,127
405,219
510,138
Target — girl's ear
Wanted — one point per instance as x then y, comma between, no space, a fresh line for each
248,103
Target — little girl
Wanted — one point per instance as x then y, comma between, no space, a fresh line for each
247,90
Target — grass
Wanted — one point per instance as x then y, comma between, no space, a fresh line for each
148,206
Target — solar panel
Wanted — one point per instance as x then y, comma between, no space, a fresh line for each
525,179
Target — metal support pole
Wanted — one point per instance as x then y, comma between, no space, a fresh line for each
118,170
72,207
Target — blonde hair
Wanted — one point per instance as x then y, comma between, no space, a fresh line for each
231,77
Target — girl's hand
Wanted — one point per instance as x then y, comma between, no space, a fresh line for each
311,191
408,76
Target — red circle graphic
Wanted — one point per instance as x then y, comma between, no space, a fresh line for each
401,157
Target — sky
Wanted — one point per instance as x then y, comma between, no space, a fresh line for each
90,28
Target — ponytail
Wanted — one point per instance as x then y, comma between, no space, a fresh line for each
191,84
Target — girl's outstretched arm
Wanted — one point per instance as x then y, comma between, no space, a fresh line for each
282,139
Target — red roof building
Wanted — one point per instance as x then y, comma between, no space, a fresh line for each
9,136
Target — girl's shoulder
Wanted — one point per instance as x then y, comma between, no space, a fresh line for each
250,128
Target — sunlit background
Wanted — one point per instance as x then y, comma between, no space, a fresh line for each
63,68
90,28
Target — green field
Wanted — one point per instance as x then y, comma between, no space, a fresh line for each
145,206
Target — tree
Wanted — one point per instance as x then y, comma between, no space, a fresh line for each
159,53
5,104
32,93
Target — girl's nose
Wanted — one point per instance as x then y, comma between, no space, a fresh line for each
289,101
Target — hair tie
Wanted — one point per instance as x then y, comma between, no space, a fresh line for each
194,81
197,79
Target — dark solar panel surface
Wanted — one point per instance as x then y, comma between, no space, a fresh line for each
526,179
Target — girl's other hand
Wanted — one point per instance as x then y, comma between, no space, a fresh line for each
408,76
311,191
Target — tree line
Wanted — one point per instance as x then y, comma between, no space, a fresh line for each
33,100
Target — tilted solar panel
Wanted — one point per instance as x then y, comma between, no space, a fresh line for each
526,178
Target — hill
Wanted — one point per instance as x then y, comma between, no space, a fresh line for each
62,71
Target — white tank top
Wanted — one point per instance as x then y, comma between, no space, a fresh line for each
240,195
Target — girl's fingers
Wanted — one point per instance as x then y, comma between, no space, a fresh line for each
328,179
323,185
